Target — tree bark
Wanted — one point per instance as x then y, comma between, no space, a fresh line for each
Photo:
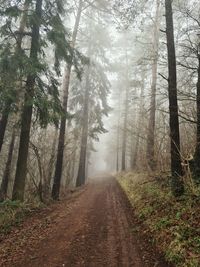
4,121
61,142
20,177
135,152
139,123
176,168
150,154
197,149
72,171
40,189
124,138
118,141
51,165
6,175
81,177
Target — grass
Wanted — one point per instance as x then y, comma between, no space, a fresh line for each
174,223
12,213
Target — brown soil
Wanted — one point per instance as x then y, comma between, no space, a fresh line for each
96,227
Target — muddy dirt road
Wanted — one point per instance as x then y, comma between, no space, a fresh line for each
93,228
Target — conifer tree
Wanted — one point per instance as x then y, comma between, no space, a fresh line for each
10,60
91,95
65,87
45,27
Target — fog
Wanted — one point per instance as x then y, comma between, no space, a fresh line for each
95,92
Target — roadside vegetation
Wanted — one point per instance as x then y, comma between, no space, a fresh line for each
174,223
12,213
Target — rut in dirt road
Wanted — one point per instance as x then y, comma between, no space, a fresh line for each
95,229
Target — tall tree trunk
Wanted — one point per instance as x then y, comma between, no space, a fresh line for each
150,154
20,177
6,111
176,168
61,140
81,177
124,138
139,123
118,139
6,175
118,134
197,150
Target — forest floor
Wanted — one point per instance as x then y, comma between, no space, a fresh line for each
96,226
173,223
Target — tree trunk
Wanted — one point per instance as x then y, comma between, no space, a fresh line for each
6,175
135,153
150,154
124,138
176,168
6,111
72,171
139,123
81,177
4,121
47,186
40,186
118,134
197,150
118,139
20,177
61,142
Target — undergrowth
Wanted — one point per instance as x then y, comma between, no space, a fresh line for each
174,223
13,213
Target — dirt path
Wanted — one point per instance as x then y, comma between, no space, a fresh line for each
94,228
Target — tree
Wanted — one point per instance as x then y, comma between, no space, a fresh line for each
39,94
197,149
10,63
152,116
126,104
140,119
176,168
66,83
92,98
81,177
94,106
19,184
7,171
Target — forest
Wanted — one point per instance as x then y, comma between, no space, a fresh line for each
100,133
